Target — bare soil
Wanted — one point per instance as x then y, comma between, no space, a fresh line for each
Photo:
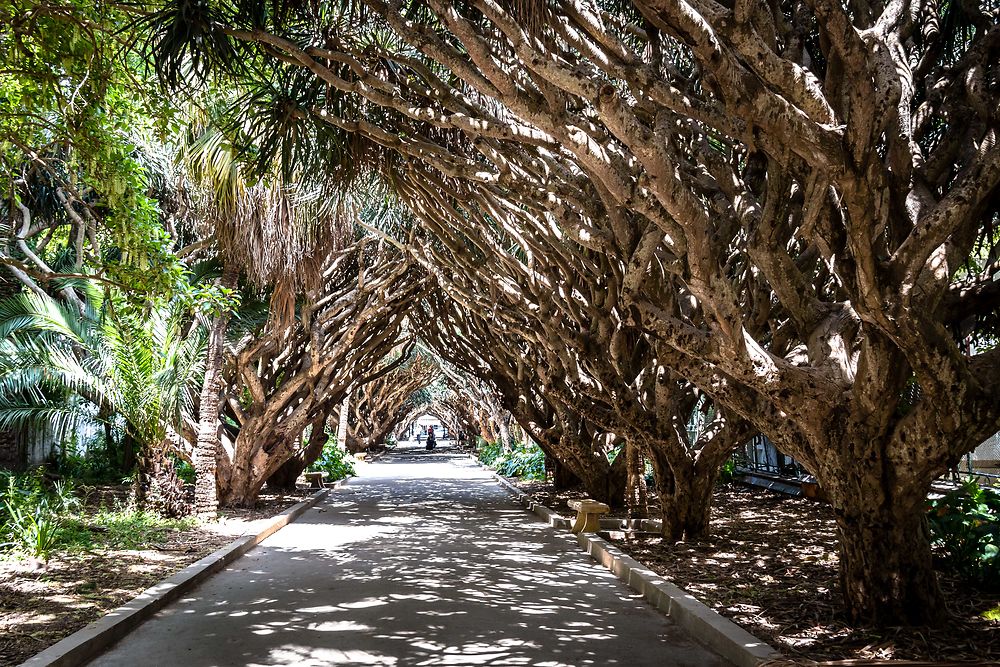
39,605
771,566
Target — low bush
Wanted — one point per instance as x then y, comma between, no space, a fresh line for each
965,530
727,473
525,460
488,452
334,461
94,465
32,512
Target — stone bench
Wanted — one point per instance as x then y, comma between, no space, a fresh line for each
315,480
588,515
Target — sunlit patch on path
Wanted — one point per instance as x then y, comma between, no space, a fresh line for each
422,560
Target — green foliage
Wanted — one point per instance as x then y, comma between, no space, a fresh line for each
525,459
38,518
185,471
60,366
120,527
728,472
334,461
97,464
965,529
76,108
31,514
489,452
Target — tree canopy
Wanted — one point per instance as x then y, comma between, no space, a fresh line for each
611,220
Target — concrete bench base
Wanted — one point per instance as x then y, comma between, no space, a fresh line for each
315,479
588,515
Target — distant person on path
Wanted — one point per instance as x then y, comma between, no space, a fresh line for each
431,442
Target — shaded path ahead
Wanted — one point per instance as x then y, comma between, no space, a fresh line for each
422,560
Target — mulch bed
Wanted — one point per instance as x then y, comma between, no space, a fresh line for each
38,607
771,566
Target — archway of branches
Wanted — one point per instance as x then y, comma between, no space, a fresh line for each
615,247
641,231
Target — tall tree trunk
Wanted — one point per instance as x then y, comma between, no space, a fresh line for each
505,440
342,426
206,501
685,479
886,567
562,476
284,477
129,454
685,495
636,499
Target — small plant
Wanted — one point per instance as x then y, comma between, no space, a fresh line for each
33,529
94,465
30,514
728,472
965,529
64,496
334,461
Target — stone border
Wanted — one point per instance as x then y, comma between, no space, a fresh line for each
86,644
547,515
705,624
710,627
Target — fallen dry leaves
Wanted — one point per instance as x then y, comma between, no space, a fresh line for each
771,566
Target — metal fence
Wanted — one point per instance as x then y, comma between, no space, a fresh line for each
982,464
759,456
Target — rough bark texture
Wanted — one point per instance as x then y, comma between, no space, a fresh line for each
794,203
284,477
302,364
207,444
887,571
157,486
636,494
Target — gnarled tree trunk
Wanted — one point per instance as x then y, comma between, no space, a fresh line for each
636,499
284,477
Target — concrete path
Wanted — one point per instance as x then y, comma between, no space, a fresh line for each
422,560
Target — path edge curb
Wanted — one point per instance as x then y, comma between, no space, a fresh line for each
705,624
90,641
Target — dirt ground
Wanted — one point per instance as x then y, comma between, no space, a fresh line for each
771,566
41,605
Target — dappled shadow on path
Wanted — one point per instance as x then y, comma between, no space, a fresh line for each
414,565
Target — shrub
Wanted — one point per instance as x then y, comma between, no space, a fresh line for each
489,452
96,464
965,530
30,514
37,519
525,459
334,461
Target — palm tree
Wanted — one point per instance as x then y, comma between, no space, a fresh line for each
61,366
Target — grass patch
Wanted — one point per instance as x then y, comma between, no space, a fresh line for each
38,519
122,527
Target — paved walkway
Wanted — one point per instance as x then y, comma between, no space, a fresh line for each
422,560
